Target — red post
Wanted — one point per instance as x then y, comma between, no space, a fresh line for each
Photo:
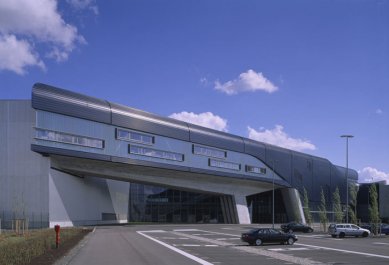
56,228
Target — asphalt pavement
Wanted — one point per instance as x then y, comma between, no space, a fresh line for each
218,244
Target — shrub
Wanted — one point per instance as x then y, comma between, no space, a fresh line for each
15,250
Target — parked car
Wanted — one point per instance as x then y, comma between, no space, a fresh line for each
296,227
267,235
382,229
343,230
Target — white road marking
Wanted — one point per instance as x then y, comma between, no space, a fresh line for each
201,261
185,230
288,249
152,231
233,238
380,243
346,251
202,234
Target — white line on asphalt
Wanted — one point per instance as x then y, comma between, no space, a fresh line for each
152,231
185,230
380,243
288,249
201,261
346,251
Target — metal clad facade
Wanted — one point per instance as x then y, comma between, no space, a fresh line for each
142,121
255,149
214,138
282,159
297,169
62,101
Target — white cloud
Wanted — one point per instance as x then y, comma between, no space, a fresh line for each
278,137
250,81
34,23
379,111
84,4
206,119
16,54
370,175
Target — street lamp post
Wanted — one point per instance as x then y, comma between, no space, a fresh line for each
347,136
273,196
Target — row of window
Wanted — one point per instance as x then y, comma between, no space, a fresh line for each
121,134
145,151
67,138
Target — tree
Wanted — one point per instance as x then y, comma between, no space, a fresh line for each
323,211
352,212
337,207
307,212
374,214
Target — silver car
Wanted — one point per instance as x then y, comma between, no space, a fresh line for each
343,230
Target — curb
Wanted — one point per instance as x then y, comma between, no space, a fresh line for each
65,260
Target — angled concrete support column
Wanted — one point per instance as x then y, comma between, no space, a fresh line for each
242,209
292,202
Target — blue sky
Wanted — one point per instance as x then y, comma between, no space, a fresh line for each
292,73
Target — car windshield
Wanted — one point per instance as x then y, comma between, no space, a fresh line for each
272,231
252,231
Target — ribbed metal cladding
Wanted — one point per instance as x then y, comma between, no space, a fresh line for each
53,99
143,121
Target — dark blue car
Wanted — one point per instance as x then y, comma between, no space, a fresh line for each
382,229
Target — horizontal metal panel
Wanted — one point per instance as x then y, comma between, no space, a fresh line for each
143,121
46,151
205,136
256,149
123,160
53,99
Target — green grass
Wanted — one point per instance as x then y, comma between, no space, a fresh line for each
15,250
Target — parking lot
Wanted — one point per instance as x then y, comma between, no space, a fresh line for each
218,244
221,244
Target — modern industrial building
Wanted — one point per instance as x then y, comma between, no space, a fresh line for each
72,159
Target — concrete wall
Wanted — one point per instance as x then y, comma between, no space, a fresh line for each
86,201
24,186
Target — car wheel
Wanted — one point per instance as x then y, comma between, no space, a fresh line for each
341,235
258,242
334,236
365,234
310,230
290,231
290,241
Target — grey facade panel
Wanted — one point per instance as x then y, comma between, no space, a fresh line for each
281,159
143,121
57,100
256,149
205,136
321,179
302,174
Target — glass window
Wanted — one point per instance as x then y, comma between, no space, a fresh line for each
140,150
207,151
224,164
257,170
61,137
134,136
